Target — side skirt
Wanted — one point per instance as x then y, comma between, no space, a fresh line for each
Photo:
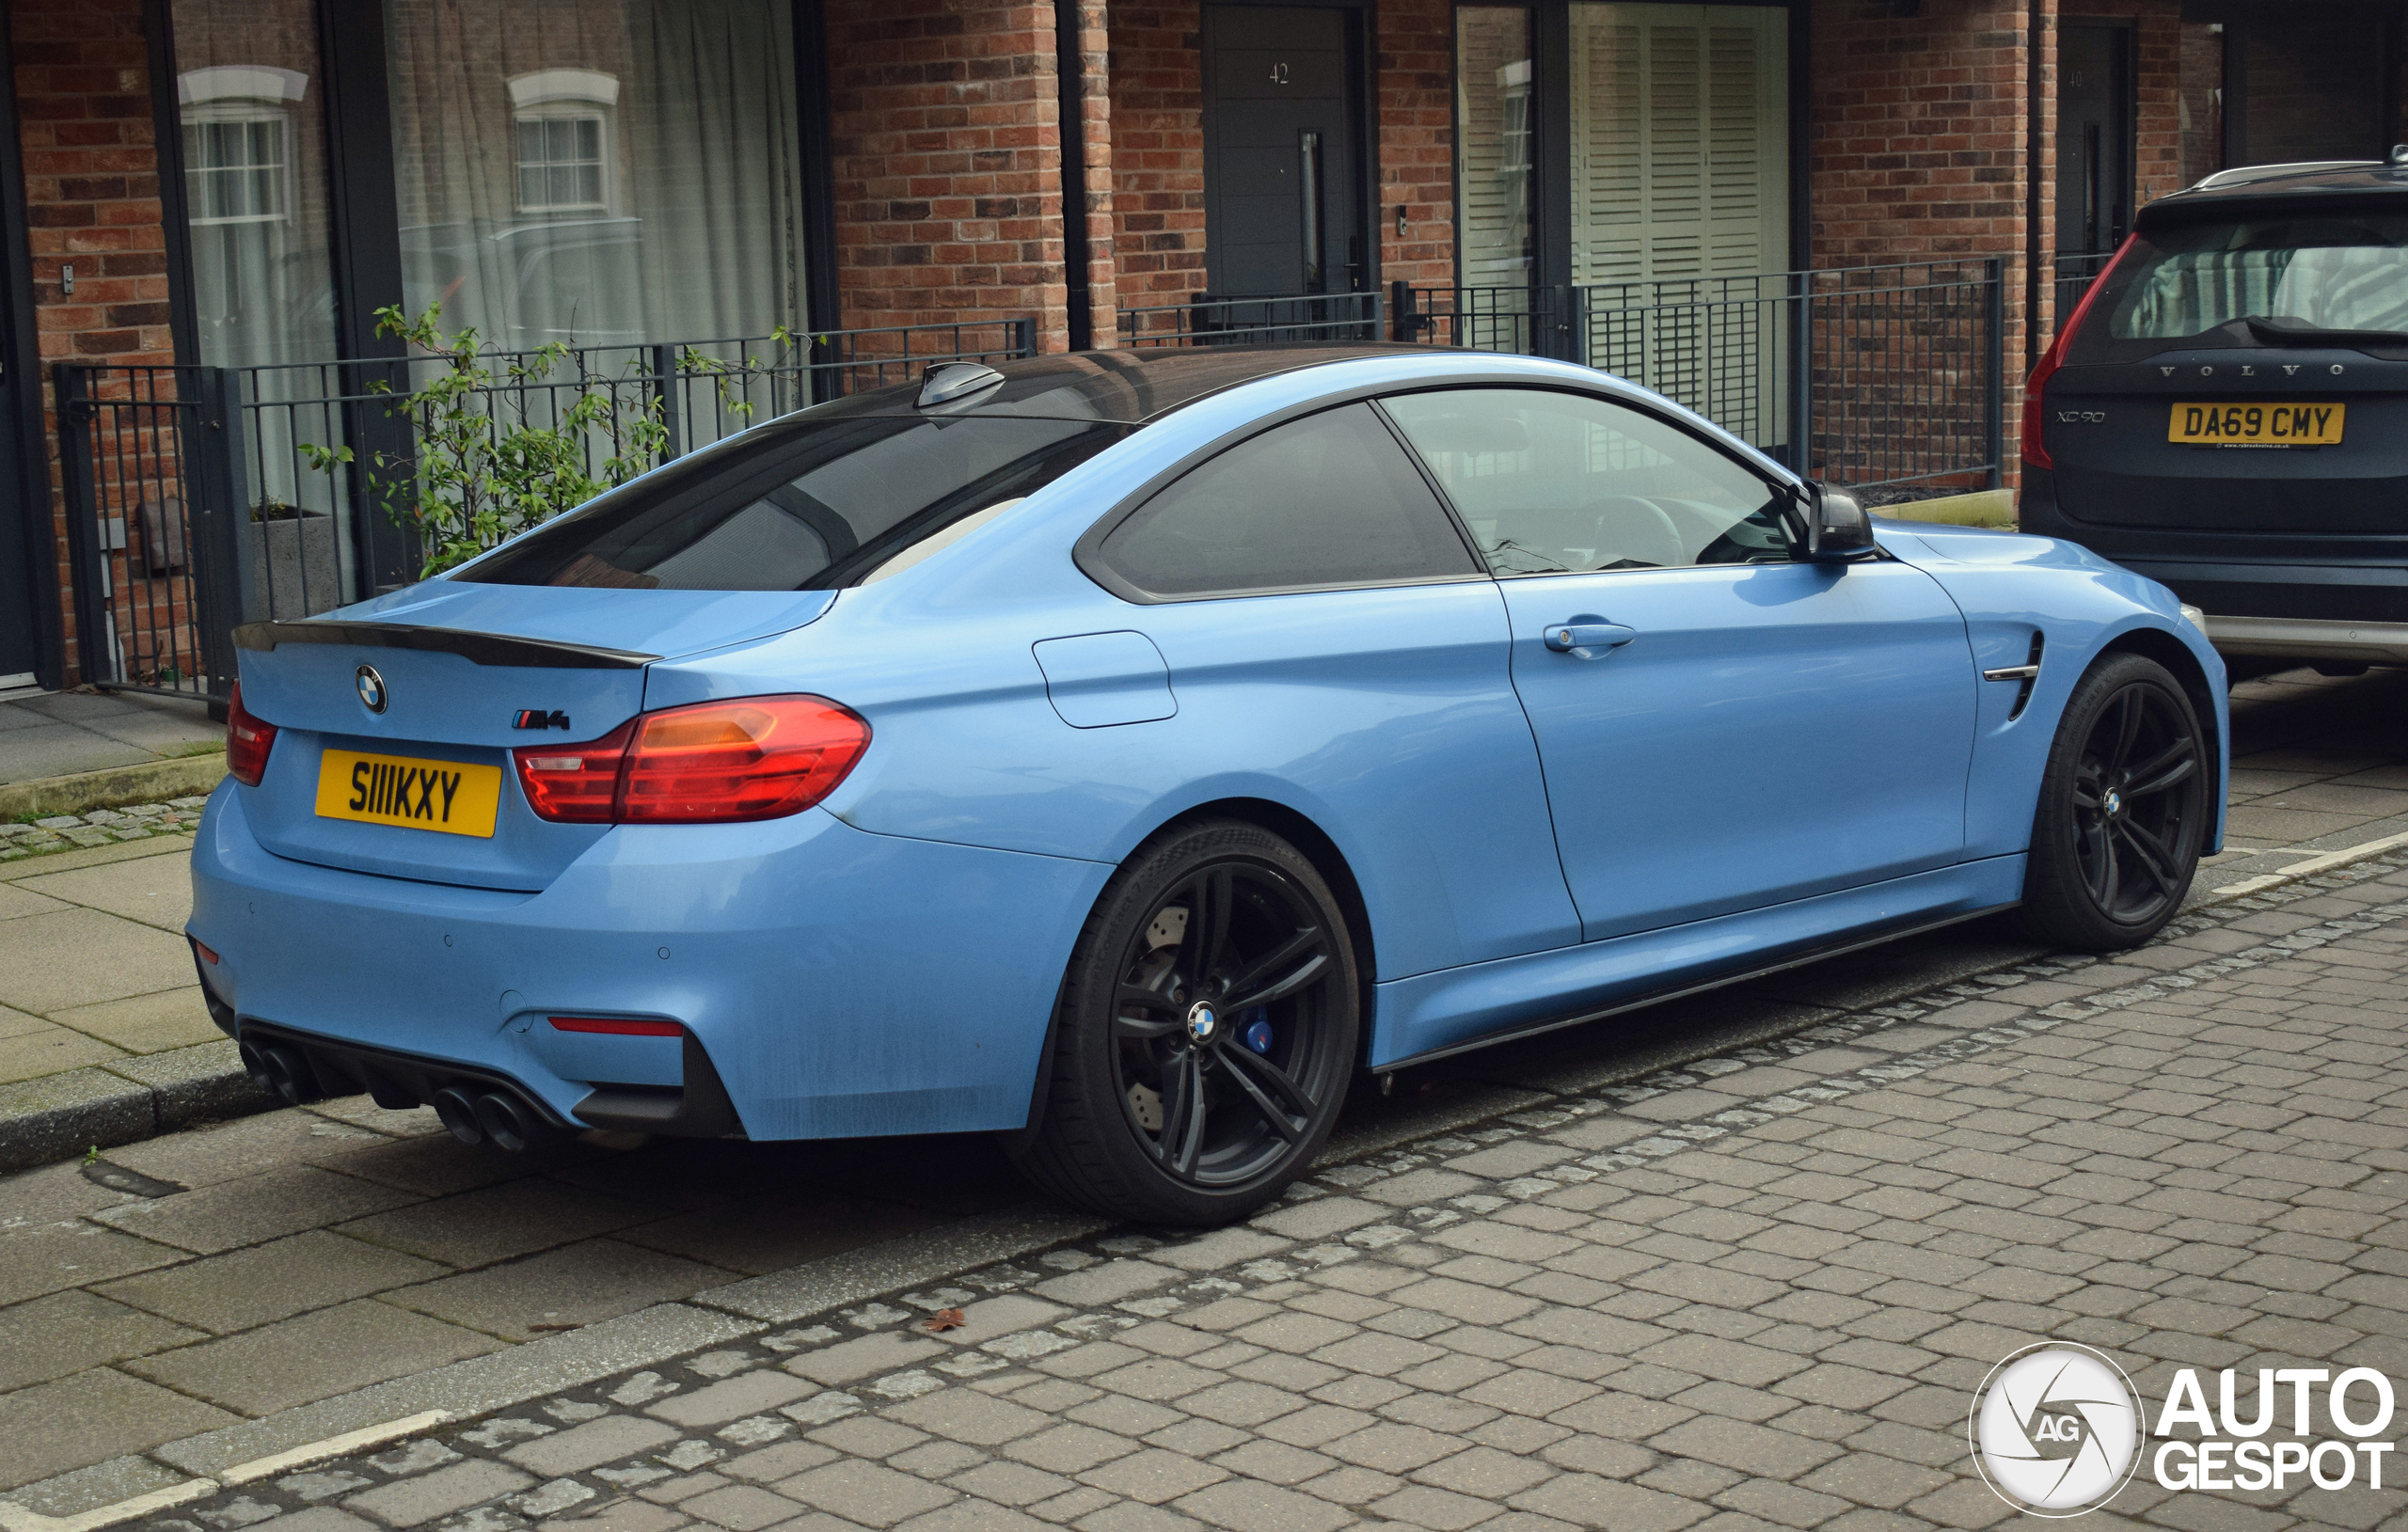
1435,1015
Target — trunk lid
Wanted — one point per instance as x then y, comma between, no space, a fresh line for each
457,664
2108,423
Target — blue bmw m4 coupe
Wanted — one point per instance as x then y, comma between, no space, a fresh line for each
1122,753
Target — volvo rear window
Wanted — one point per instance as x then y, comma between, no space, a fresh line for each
2303,279
801,504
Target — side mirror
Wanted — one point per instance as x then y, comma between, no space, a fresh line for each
1837,529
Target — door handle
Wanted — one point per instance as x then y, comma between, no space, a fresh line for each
1587,637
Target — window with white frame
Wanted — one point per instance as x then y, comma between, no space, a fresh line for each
238,142
561,138
237,163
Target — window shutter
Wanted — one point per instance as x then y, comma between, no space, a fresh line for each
1680,141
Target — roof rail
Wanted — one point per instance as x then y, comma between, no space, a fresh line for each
2243,175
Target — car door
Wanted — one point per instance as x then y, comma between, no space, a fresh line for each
1331,643
1722,728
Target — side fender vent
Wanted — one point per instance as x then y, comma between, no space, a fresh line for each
2023,696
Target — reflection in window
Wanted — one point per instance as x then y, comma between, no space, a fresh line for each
252,131
1492,170
560,163
615,173
1555,483
234,165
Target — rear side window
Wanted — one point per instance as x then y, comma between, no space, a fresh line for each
800,504
1330,500
2305,278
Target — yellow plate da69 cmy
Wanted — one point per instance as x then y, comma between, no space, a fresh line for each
2256,425
454,797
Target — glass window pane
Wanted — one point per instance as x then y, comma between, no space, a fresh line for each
804,505
1554,484
251,93
1326,501
1493,166
685,177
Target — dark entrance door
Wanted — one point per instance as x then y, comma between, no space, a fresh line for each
1282,158
2094,138
25,547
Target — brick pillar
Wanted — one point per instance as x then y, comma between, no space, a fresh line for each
947,153
1095,131
83,78
1416,115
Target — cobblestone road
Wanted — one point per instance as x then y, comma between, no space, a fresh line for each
1756,1290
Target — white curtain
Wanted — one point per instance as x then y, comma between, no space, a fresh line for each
604,172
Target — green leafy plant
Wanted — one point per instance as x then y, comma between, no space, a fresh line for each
477,476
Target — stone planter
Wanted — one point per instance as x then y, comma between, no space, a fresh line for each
289,567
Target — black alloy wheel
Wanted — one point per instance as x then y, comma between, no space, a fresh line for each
2123,810
1207,1032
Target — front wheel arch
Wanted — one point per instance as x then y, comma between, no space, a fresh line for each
2163,647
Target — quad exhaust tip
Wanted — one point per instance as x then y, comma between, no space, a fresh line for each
282,1071
489,1118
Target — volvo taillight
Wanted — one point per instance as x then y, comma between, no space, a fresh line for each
2035,448
709,763
248,738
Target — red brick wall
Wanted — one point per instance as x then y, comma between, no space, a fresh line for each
1916,142
1417,113
947,153
1158,151
83,81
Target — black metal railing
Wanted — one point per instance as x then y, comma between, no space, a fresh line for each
1871,375
2075,272
1207,321
200,498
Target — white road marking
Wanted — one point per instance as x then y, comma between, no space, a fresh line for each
333,1446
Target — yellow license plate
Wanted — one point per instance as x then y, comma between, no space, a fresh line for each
2256,425
452,798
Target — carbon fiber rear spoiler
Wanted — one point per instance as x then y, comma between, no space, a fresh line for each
476,648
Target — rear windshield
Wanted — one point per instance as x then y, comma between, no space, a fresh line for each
801,504
2320,278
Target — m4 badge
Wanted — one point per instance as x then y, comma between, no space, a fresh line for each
535,717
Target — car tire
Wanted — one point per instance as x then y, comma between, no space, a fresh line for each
1205,1035
2123,810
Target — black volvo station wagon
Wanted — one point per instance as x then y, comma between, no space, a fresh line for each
2227,412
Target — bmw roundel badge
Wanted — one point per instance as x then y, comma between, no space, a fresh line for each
371,688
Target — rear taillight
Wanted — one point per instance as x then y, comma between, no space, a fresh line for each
248,738
751,758
577,783
2035,448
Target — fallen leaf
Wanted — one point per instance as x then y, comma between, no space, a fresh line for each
944,1320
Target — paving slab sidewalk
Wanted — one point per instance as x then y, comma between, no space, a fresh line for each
65,733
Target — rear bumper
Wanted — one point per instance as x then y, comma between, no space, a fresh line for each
2305,638
841,983
2286,597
